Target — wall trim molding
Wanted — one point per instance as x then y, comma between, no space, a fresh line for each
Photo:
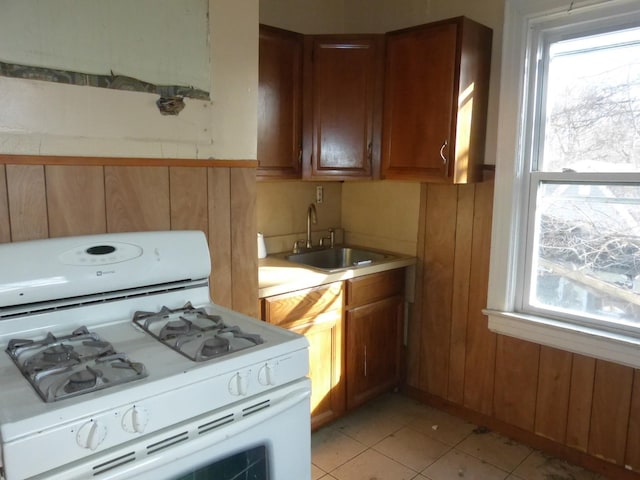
124,161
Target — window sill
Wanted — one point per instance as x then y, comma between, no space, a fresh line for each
609,346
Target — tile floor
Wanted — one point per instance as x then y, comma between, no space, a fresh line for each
397,438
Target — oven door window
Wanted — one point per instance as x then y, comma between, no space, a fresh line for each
250,465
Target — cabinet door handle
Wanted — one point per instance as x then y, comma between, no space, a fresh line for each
365,360
370,151
300,156
444,145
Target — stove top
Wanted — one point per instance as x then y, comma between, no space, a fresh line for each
70,365
194,333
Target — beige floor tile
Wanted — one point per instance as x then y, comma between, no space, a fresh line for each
539,466
331,448
456,464
442,426
373,465
403,408
369,425
411,448
316,472
495,449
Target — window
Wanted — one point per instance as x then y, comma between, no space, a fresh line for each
567,202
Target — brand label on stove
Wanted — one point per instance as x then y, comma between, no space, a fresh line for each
100,273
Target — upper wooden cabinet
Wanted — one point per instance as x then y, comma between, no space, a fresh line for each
342,106
280,103
435,104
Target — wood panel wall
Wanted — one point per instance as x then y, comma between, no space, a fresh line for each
58,198
583,409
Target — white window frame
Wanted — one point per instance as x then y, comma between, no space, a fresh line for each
524,19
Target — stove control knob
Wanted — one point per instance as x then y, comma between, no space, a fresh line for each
239,383
91,434
135,419
267,374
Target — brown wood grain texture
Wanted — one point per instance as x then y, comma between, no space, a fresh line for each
75,200
219,207
137,199
370,288
412,138
414,326
372,347
580,400
244,251
481,343
189,198
279,103
461,285
124,161
5,226
345,76
516,381
612,390
472,100
27,202
299,307
438,287
632,456
552,403
326,366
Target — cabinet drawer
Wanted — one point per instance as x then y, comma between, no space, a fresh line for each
298,307
371,288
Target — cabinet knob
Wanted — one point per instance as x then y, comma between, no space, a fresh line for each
444,145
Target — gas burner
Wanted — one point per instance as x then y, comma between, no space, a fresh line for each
64,366
175,328
82,380
195,333
57,354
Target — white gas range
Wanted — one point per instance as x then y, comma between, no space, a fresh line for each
115,364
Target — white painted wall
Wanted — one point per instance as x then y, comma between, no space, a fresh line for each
158,41
44,118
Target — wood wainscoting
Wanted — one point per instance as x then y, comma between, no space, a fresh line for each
43,197
583,409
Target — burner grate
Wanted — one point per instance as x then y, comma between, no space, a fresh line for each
70,365
195,333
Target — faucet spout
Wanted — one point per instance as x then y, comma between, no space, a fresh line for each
312,217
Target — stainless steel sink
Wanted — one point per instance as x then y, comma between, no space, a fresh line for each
338,258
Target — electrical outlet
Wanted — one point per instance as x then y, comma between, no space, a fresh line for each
319,194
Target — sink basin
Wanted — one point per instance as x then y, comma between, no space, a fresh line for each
337,258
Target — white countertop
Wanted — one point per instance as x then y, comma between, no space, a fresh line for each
276,275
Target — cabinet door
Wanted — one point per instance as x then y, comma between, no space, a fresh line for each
343,76
436,97
279,103
325,367
316,313
373,349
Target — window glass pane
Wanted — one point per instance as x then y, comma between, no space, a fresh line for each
592,106
586,260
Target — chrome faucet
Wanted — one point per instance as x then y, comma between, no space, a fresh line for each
311,218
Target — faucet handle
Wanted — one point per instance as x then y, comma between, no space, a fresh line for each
296,246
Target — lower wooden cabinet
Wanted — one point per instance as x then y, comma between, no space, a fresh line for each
354,330
373,349
316,313
374,327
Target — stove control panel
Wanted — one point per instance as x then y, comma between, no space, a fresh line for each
100,254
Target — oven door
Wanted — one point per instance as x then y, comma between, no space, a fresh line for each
266,437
